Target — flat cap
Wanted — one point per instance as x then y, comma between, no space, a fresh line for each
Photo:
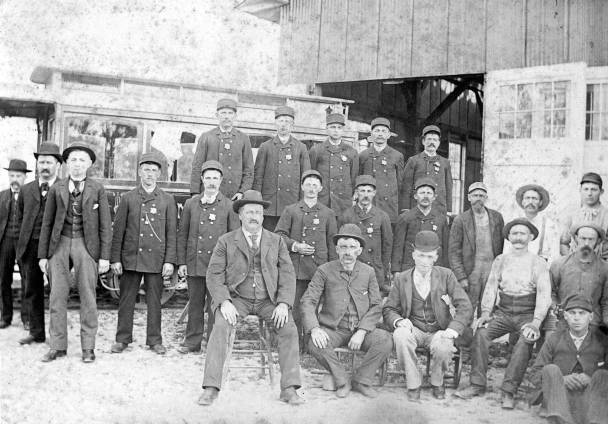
542,193
579,301
478,185
153,157
520,221
425,182
365,180
431,128
212,164
578,225
426,241
311,173
592,177
284,111
226,104
381,121
335,118
349,231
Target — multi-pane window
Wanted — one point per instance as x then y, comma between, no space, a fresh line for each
596,124
456,157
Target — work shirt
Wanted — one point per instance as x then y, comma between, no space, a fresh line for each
546,245
484,251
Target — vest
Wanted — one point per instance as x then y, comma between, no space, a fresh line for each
72,227
253,287
12,227
39,215
422,315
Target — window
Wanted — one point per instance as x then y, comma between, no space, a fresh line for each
533,110
456,156
596,125
180,169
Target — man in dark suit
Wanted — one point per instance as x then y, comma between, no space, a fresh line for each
10,223
349,313
144,246
76,229
250,272
31,206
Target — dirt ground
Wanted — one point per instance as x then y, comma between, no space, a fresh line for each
139,386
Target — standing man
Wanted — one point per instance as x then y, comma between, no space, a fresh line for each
521,278
475,240
424,217
279,164
386,165
338,164
429,164
350,310
250,272
31,207
10,224
205,218
307,228
144,246
76,229
375,225
231,148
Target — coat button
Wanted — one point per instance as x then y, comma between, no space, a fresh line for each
141,235
200,251
140,249
209,252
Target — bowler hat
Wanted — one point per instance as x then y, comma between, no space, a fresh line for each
78,145
335,118
250,196
425,182
592,177
431,128
579,301
226,104
477,186
578,225
349,231
544,195
365,180
48,148
284,111
520,221
381,121
311,173
426,241
212,164
153,157
17,165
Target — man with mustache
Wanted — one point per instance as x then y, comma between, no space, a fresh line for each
279,165
475,240
10,224
231,148
205,218
375,225
521,281
430,165
250,272
350,310
31,206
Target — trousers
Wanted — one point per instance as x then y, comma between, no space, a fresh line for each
199,300
33,287
477,282
7,266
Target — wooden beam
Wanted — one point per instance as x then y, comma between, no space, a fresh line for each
446,103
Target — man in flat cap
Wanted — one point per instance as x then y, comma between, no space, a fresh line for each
10,225
423,217
386,165
228,146
520,279
307,228
475,240
31,206
279,165
418,309
590,210
144,247
350,310
76,230
205,218
250,272
375,226
430,165
570,372
338,164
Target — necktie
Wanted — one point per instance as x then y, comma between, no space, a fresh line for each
254,241
44,188
76,191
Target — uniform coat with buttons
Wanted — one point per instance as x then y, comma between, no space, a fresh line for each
411,223
200,226
315,226
376,229
339,166
233,151
387,168
278,168
438,169
145,229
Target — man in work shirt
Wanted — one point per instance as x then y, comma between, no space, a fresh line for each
144,246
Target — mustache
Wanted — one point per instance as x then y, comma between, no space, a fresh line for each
254,221
586,249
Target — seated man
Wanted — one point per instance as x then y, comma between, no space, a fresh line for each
521,278
350,311
566,373
418,308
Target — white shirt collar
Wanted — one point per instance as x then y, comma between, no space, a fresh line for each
423,283
284,139
208,199
50,183
247,235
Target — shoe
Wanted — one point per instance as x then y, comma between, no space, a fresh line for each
344,390
53,354
88,355
470,392
290,396
29,340
159,349
118,347
439,392
413,395
26,326
365,389
4,324
188,349
507,401
208,396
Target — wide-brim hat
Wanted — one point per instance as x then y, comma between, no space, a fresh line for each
250,196
520,221
48,148
349,231
544,195
153,157
17,165
78,146
578,225
426,241
212,164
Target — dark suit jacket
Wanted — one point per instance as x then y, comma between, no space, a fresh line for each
97,222
461,249
438,169
443,281
229,265
5,204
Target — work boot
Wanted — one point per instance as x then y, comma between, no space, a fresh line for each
4,324
470,392
209,396
507,400
344,390
364,389
88,356
29,339
118,347
53,354
290,396
439,392
413,395
188,349
159,349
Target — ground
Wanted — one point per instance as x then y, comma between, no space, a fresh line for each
139,386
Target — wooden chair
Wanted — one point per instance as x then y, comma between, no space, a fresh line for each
454,376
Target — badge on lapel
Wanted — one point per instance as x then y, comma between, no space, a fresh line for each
227,146
344,158
383,162
316,221
288,157
153,211
95,206
211,217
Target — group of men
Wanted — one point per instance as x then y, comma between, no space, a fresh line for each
312,242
